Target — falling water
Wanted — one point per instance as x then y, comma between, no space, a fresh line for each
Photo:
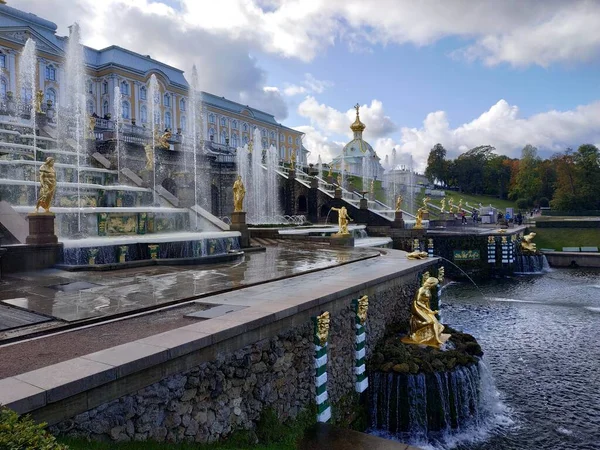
75,105
154,93
272,193
26,82
118,113
193,111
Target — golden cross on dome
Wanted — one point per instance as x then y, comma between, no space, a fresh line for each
357,107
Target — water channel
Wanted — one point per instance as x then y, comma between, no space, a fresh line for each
542,346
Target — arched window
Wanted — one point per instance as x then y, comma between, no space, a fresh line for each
234,124
26,94
281,137
144,114
125,109
105,109
105,87
264,143
182,105
211,118
143,93
168,120
51,95
90,107
51,72
223,137
282,152
290,140
182,123
2,60
223,122
263,132
234,140
3,85
167,100
125,88
297,141
90,87
211,134
245,140
245,127
272,135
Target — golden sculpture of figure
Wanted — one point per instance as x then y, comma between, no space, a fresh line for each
527,245
323,328
398,203
149,156
363,307
441,274
419,219
417,254
339,179
424,327
372,187
460,207
91,126
239,193
162,140
48,185
293,160
39,98
343,219
250,145
330,174
451,205
443,205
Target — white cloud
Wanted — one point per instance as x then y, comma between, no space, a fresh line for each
310,85
319,144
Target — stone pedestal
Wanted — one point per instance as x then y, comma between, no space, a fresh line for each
41,229
398,220
364,203
238,223
426,215
314,183
337,193
292,174
344,240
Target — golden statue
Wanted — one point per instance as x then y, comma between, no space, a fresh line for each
162,141
323,327
424,327
398,203
239,193
443,205
293,160
330,174
91,126
491,240
339,179
343,219
149,156
372,187
250,145
504,241
441,274
419,219
362,308
451,205
460,207
48,185
425,201
417,254
39,98
527,245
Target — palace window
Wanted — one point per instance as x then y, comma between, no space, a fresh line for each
182,123
234,124
282,152
125,110
3,87
50,73
234,140
144,114
90,107
90,87
167,100
211,118
290,140
264,133
281,137
223,137
297,141
245,127
223,122
264,143
51,95
105,109
211,134
105,87
2,60
182,105
125,88
168,120
245,140
143,93
272,135
26,94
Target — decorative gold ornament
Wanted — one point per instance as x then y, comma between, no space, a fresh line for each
425,201
443,205
460,204
48,185
293,160
357,126
363,307
149,156
441,274
323,327
399,203
330,174
419,218
450,205
504,240
239,192
343,219
491,240
424,327
39,98
417,254
430,243
91,126
527,245
339,179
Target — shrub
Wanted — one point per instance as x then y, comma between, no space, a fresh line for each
544,202
522,203
22,433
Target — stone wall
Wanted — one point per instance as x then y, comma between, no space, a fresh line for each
211,400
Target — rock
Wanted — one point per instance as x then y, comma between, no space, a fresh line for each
401,368
438,365
387,367
188,394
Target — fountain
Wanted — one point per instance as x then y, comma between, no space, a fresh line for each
118,112
154,95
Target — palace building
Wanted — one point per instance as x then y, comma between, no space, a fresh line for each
226,124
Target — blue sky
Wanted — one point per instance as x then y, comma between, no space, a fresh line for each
459,72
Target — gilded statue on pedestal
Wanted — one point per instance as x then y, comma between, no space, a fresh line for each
424,327
162,140
323,327
425,201
443,205
293,160
343,219
527,245
362,308
149,156
372,187
48,185
39,98
339,179
398,203
239,192
419,218
330,174
91,126
451,205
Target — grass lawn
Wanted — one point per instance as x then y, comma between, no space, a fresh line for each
557,238
473,200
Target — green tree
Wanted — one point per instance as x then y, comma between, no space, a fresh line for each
578,179
437,166
528,182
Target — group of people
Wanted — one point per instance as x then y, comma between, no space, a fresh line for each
474,217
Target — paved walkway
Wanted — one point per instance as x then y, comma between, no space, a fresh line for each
328,437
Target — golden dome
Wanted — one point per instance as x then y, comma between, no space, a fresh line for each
357,126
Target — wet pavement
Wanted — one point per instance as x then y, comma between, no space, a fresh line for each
75,296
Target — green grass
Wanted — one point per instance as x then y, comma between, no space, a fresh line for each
557,238
474,200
